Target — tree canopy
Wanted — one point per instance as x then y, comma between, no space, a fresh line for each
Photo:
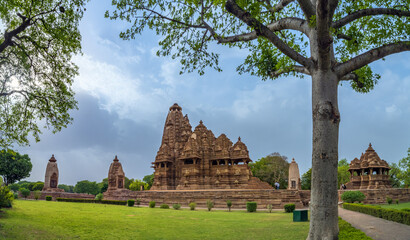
37,42
330,40
404,174
86,186
14,166
272,168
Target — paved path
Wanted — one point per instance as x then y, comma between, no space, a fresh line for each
376,228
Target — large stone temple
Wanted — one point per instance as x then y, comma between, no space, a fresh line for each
189,160
370,172
51,177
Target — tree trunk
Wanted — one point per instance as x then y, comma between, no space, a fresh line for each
326,118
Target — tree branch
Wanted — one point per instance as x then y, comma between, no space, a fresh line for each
369,12
307,8
281,5
284,23
371,56
299,69
232,7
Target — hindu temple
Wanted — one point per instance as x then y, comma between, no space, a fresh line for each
196,159
116,176
51,178
294,176
369,172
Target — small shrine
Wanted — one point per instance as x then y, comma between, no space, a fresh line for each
294,176
188,160
51,178
116,176
369,172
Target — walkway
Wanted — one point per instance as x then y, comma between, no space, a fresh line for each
376,228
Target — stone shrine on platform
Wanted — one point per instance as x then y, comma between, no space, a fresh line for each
294,176
370,172
189,160
51,178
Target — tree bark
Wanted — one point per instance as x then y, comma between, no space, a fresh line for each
326,118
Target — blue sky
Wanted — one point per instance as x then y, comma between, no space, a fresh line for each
124,91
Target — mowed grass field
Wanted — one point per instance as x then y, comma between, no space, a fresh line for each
61,220
396,206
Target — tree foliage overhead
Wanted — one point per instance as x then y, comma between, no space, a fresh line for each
272,168
37,42
14,166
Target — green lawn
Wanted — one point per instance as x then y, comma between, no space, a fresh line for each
396,206
62,220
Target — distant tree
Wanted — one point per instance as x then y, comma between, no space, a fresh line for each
343,174
394,172
25,192
149,179
37,42
404,174
86,186
136,185
103,185
14,187
14,166
67,188
38,186
272,168
127,182
306,180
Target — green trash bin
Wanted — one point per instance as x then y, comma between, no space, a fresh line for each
300,215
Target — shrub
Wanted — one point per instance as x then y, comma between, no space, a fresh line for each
395,215
353,196
346,231
251,206
37,194
49,198
389,200
229,204
176,206
16,195
138,201
397,201
99,197
38,186
289,207
192,206
25,192
6,197
209,205
269,207
152,204
130,202
164,206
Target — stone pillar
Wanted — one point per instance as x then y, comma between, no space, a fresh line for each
294,176
51,178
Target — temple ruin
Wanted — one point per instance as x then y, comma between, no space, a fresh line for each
294,176
189,160
116,176
370,172
51,178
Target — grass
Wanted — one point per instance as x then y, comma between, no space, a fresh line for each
396,206
64,220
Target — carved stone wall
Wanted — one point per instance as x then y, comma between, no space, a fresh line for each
189,160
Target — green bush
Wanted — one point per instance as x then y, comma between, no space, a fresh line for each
269,207
37,194
395,215
397,201
6,197
81,200
406,209
209,205
138,201
16,195
229,204
49,198
251,206
151,204
38,186
25,192
164,206
99,197
353,196
289,207
130,202
192,206
389,200
346,231
176,206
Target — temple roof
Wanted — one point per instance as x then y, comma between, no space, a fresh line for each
370,159
52,159
175,107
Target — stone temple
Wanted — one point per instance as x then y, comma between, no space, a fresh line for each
51,178
116,176
370,172
188,160
294,176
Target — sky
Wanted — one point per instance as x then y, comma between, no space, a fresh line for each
124,92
